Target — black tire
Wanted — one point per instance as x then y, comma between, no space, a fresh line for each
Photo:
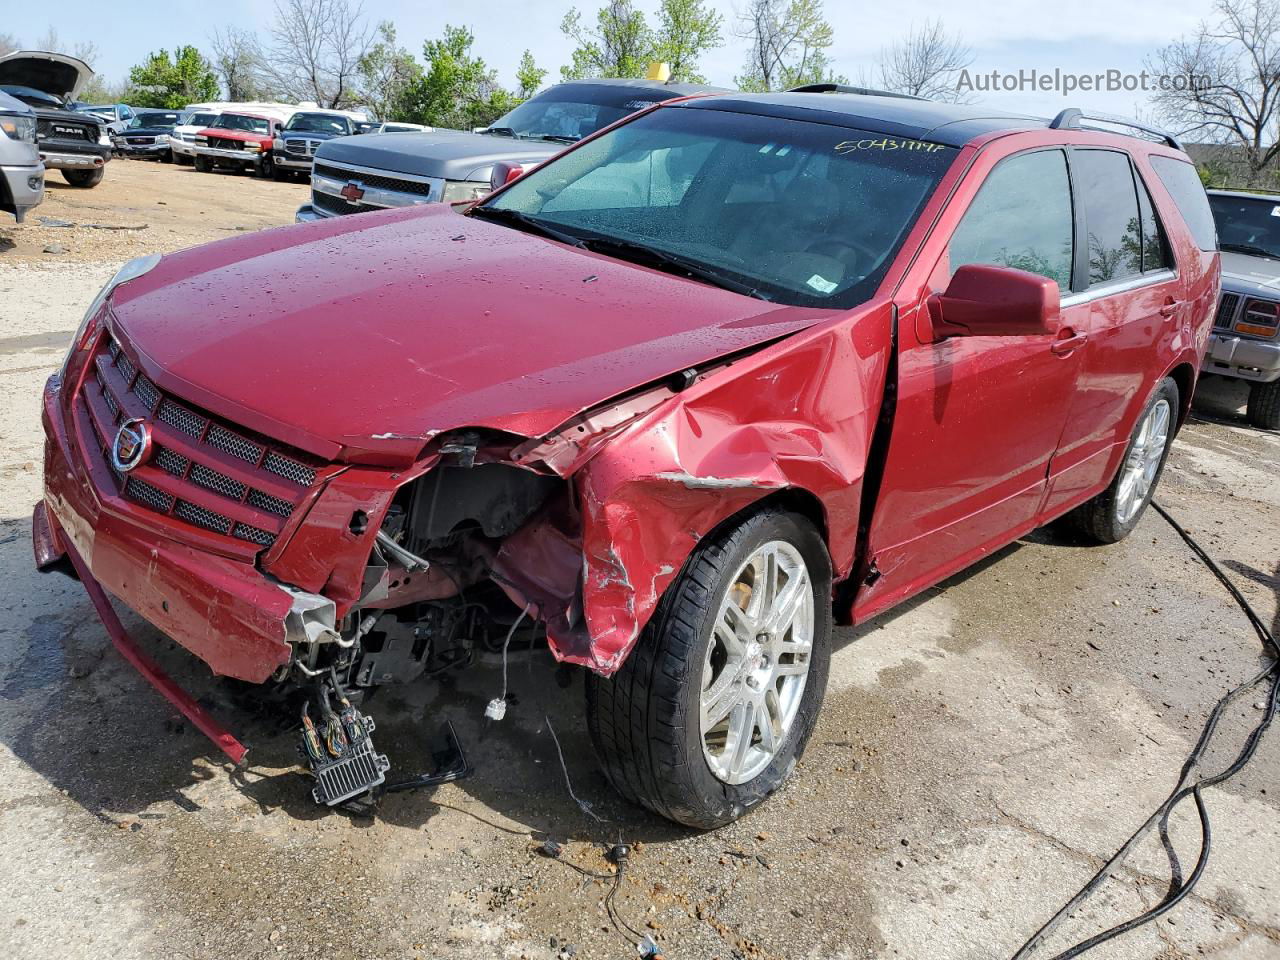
645,720
266,168
1264,405
166,157
1098,520
84,178
279,174
183,159
202,164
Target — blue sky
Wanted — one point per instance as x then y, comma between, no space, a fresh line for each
1085,36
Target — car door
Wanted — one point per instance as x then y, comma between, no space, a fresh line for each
977,419
1134,297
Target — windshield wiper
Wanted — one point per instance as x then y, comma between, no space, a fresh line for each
522,221
558,138
501,132
1249,249
673,263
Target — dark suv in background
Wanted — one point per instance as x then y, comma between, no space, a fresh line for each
407,169
296,144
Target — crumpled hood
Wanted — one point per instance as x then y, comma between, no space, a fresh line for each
1241,272
363,336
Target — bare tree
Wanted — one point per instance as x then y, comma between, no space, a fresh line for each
9,43
1222,84
238,62
789,42
317,48
925,63
50,41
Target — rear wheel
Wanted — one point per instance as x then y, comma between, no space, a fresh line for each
1264,405
84,178
711,711
1111,515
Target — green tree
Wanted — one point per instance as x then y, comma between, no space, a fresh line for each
789,43
686,30
528,77
454,89
619,46
385,72
172,82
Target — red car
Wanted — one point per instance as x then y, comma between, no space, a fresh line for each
725,373
240,141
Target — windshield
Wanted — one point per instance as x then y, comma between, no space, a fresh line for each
236,121
202,120
31,96
169,120
317,123
1247,225
797,212
575,110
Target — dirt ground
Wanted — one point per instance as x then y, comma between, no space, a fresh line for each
981,751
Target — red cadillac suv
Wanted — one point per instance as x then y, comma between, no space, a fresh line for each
729,371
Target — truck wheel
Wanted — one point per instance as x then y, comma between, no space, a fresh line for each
266,168
1264,405
1111,515
711,711
203,165
84,178
166,157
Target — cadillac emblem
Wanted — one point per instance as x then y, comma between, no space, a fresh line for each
132,445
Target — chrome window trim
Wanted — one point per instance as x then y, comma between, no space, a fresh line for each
1118,286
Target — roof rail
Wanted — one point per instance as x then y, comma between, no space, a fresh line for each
1071,117
846,88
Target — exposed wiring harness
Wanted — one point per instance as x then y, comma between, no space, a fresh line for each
1186,785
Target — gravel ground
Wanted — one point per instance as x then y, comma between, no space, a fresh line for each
981,750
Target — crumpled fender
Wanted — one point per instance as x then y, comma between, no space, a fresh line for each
799,415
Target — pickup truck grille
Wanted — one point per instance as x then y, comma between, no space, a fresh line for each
1226,311
202,471
375,180
47,129
140,140
226,143
302,148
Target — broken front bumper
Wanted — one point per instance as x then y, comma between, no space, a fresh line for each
224,611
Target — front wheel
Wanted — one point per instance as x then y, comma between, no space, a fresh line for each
266,168
1111,515
1264,405
203,164
711,711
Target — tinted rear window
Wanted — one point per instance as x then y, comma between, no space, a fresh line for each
1111,217
1183,183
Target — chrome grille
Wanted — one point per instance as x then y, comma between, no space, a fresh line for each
145,493
175,416
220,438
205,444
194,513
268,503
217,482
282,466
146,391
171,462
263,538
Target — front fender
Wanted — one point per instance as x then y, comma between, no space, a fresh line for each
797,416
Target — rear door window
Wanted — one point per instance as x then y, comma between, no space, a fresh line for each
1183,183
1021,218
1104,182
1155,246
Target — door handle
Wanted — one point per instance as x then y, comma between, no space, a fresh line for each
1069,343
1170,307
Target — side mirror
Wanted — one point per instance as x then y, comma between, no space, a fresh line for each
989,301
503,172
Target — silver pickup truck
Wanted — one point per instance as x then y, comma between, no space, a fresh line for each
377,171
1245,342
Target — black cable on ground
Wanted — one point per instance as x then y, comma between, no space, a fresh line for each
1185,787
